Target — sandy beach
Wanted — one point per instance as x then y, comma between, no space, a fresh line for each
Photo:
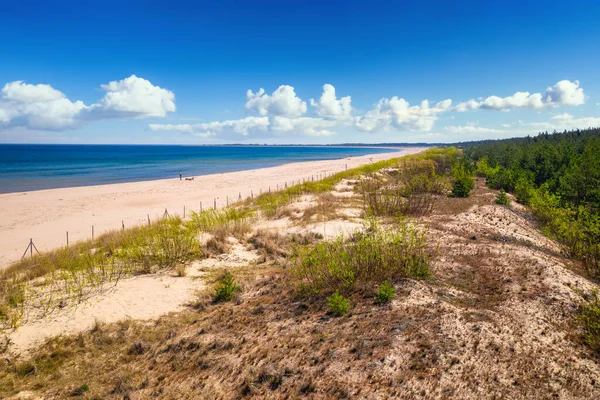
46,215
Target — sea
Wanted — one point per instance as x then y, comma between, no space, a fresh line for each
27,167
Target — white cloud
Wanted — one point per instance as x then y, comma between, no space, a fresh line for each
563,122
253,127
134,97
37,107
330,107
304,125
397,113
42,107
279,114
563,93
469,130
282,103
230,129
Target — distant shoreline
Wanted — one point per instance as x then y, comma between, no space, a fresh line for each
28,168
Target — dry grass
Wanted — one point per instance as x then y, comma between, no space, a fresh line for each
497,320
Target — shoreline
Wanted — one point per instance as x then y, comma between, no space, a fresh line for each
47,215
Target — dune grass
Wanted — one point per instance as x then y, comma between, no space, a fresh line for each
377,255
36,286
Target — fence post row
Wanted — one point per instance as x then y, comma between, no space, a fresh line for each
31,246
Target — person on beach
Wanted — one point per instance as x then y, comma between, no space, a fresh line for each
180,176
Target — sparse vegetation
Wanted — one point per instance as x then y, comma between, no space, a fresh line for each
589,318
338,304
226,288
34,288
385,293
230,221
374,256
502,199
412,187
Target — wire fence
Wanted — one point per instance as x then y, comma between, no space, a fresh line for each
184,212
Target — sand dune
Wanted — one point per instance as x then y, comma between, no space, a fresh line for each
47,215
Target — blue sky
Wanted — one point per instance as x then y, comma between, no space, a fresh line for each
179,72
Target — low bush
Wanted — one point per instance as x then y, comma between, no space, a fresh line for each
373,256
338,304
385,293
502,198
462,187
226,288
589,318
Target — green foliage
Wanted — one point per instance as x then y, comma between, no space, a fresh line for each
385,293
270,202
80,390
558,176
374,256
502,198
589,319
410,189
338,304
462,186
462,173
524,190
229,221
226,288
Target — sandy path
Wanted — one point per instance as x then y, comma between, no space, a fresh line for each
46,215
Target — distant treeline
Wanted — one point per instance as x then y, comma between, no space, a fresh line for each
558,176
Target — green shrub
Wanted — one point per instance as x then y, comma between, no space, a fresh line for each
338,304
226,289
524,191
412,189
385,293
589,318
502,198
373,256
462,187
80,390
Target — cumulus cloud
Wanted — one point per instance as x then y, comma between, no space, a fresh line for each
283,102
397,113
134,97
37,107
563,93
330,107
280,114
42,107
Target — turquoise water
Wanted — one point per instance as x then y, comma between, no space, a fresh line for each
25,167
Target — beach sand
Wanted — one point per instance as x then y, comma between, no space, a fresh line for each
46,215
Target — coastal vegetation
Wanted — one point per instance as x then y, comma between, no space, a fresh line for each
558,176
38,286
414,295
